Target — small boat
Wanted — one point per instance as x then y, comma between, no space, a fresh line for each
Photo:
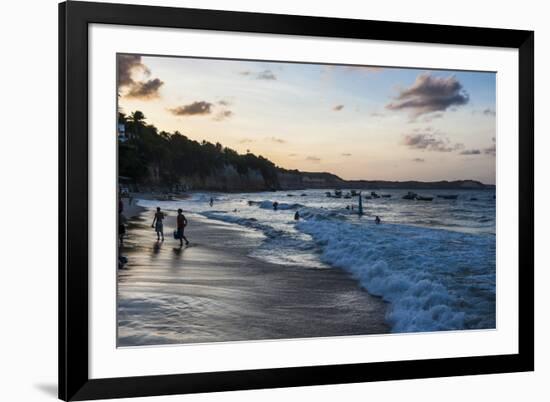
420,198
410,196
337,193
374,195
328,194
473,199
448,196
290,195
385,195
303,195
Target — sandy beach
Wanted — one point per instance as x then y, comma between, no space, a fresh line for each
213,291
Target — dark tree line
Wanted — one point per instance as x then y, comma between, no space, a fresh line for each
174,155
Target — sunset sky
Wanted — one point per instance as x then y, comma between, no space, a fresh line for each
357,122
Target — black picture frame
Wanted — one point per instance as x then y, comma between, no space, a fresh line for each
74,18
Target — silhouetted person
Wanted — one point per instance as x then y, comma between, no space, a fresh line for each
157,224
211,201
121,228
377,220
296,216
181,224
275,205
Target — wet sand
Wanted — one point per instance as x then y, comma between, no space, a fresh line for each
212,291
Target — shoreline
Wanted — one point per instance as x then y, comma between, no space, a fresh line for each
168,295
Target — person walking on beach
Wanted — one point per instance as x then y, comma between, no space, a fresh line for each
181,224
121,228
157,224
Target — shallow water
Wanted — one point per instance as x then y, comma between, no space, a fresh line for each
434,261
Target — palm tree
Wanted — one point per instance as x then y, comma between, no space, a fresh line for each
137,120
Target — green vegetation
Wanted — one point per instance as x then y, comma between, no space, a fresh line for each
166,157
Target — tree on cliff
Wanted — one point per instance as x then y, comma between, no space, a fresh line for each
170,156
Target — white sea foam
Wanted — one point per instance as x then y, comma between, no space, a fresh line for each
434,279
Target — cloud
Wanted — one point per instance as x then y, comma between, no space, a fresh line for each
430,94
471,152
313,159
419,160
261,75
222,115
429,142
346,154
266,75
277,140
492,150
377,114
432,116
489,112
193,109
145,89
337,108
224,102
245,141
292,155
359,69
127,63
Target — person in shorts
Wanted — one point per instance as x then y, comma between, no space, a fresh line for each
181,222
157,224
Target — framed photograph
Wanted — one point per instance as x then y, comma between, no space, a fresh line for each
257,200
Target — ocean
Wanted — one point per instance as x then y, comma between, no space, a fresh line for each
434,261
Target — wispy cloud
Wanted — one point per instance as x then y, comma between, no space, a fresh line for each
471,152
492,150
246,141
430,94
266,75
277,140
337,108
261,75
223,115
193,109
346,154
431,116
429,142
313,159
489,112
419,160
